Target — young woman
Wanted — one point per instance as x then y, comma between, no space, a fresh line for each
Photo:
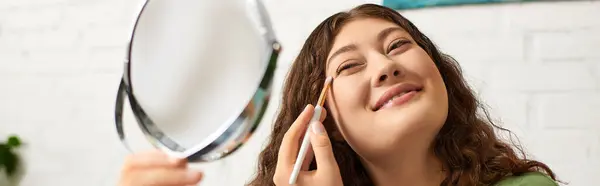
399,113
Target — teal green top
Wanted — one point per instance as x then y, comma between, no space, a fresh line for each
528,179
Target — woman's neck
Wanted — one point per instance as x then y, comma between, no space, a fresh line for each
417,167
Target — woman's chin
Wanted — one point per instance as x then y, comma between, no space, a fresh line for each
418,112
409,114
414,122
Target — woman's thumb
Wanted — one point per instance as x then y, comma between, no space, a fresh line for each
321,146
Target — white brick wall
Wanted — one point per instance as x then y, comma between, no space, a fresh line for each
536,64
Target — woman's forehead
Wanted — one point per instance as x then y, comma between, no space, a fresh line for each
365,27
362,31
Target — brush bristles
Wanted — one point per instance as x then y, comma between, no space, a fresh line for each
324,91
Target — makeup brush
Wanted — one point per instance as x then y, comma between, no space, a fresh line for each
306,141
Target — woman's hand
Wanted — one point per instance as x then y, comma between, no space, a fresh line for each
155,168
327,173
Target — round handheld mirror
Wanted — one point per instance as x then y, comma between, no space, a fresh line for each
198,75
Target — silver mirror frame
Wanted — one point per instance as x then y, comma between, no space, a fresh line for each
230,139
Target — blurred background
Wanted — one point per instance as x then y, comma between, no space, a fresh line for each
537,66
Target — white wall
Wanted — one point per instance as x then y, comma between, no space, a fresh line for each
537,65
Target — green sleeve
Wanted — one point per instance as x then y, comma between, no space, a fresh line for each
528,179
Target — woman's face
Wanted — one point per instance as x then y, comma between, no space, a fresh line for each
387,93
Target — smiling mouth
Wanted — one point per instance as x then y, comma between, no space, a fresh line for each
397,95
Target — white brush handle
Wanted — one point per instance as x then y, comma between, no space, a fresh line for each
305,145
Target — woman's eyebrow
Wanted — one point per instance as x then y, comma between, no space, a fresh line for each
385,32
380,37
347,48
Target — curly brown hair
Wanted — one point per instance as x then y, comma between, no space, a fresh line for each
467,143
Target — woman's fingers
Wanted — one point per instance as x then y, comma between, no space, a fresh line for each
163,176
327,172
155,168
322,148
153,158
323,114
290,143
307,159
309,154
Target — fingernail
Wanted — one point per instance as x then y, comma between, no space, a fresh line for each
317,128
175,160
194,175
306,108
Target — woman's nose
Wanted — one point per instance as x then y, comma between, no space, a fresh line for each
388,73
393,73
384,70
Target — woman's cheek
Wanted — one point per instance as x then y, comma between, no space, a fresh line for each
342,92
345,95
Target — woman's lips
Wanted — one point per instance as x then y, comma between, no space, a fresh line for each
399,99
397,95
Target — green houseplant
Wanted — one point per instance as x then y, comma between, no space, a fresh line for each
9,158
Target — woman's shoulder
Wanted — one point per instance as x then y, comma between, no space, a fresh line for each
530,178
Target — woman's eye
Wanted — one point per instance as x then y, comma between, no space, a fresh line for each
346,66
397,44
